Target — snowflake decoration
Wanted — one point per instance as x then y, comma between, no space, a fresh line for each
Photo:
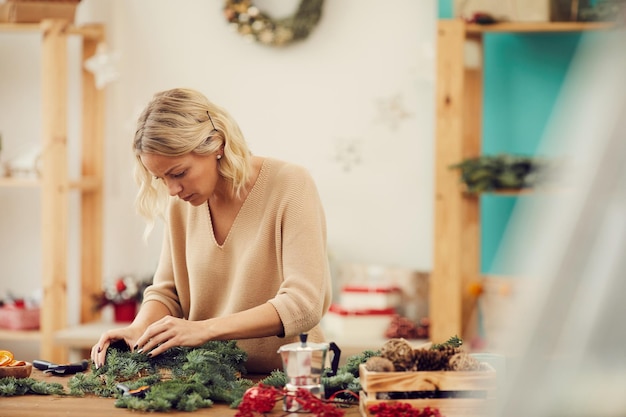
347,153
103,66
391,111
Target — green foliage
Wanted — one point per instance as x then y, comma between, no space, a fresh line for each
602,10
490,173
170,395
453,342
182,378
11,386
276,379
353,362
347,376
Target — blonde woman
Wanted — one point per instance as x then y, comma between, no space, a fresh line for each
244,253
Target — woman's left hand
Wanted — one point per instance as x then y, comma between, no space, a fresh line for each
169,332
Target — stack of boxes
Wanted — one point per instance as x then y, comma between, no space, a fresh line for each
369,298
364,312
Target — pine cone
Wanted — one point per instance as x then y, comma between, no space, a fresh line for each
399,352
431,360
448,351
464,362
379,364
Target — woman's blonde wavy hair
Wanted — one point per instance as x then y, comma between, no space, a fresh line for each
176,122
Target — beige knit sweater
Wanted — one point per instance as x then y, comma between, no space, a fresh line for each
275,251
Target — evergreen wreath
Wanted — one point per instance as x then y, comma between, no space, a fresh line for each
258,26
183,379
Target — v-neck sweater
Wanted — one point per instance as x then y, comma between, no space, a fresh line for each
274,252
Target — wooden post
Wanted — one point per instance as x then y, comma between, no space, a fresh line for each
470,205
92,170
54,196
457,234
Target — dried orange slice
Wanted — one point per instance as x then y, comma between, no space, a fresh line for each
17,363
6,357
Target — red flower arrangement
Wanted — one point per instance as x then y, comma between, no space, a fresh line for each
123,290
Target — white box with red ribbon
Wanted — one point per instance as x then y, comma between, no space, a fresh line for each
357,325
363,297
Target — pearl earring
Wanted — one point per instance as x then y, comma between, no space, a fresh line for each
219,156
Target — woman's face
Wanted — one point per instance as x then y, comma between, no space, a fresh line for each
191,177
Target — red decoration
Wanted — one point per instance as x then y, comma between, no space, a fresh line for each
403,327
314,405
262,399
401,409
259,399
120,285
125,311
124,290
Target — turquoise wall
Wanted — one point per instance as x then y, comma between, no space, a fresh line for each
523,75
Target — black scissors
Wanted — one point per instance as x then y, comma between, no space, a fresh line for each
61,369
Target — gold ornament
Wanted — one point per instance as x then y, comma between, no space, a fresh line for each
464,362
253,24
400,353
379,364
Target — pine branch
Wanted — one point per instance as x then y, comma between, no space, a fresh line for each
11,386
183,379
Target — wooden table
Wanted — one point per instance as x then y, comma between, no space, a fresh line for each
68,406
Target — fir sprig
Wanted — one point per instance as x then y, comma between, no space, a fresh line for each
11,386
276,379
182,378
453,342
353,362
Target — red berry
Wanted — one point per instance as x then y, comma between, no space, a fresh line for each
120,286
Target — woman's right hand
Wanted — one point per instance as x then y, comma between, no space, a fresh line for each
149,312
128,334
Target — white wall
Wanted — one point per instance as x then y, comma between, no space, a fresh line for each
363,81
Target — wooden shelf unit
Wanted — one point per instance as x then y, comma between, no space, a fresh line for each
459,97
55,185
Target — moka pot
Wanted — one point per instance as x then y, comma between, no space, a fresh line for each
304,365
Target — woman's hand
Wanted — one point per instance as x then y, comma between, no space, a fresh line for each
128,334
169,332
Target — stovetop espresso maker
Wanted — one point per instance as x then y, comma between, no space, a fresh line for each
304,365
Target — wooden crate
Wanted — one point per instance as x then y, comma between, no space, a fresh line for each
459,393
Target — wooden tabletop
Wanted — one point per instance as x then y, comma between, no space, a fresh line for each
90,406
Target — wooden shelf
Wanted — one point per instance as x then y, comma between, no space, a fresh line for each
20,335
55,185
19,182
84,184
20,27
513,192
541,27
92,31
459,101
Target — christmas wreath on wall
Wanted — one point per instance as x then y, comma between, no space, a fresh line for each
258,26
